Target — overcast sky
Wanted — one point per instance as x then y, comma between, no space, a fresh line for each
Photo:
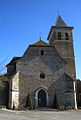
22,21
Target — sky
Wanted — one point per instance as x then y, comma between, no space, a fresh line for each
22,21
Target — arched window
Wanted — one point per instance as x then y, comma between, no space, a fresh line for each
66,36
42,52
59,36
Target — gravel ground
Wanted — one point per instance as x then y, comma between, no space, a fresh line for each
40,115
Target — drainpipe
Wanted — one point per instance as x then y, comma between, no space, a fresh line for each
74,84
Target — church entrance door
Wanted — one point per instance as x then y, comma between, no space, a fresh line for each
41,98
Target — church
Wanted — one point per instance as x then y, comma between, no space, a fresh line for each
46,72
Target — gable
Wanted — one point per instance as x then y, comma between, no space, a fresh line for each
50,60
40,42
36,48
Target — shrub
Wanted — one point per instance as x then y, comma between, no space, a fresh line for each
28,102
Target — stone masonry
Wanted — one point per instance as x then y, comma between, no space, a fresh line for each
44,74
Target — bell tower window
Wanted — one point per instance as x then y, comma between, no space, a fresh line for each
66,36
59,36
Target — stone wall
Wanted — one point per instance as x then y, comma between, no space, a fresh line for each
11,69
32,65
14,92
64,47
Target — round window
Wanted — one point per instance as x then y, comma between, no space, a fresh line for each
42,75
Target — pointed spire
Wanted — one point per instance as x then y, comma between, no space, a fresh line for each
60,22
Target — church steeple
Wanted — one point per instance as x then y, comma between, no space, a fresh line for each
60,22
60,36
60,28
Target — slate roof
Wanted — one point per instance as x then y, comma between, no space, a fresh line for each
60,22
14,59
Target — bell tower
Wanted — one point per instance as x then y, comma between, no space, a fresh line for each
60,36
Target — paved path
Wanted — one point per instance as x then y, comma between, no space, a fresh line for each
39,115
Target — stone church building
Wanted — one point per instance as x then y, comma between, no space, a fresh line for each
45,72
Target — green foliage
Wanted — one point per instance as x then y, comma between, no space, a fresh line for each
55,102
28,102
2,85
78,86
3,80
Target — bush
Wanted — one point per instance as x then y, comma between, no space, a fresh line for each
21,107
55,102
3,82
28,102
62,108
69,108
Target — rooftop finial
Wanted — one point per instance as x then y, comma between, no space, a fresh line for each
40,36
58,12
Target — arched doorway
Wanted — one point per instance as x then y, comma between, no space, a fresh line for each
41,98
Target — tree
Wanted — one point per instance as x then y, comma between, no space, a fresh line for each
2,65
55,102
28,102
3,81
78,92
78,85
4,85
3,77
